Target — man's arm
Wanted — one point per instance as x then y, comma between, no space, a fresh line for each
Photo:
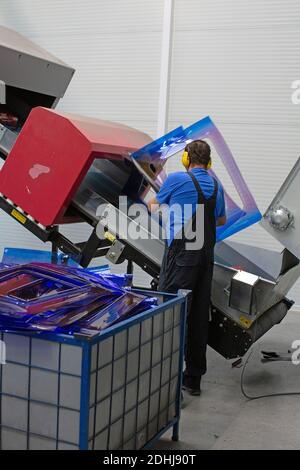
221,217
164,194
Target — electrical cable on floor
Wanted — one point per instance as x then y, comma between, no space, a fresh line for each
258,397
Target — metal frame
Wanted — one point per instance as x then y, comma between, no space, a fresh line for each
82,252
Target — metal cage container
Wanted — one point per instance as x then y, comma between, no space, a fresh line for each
120,390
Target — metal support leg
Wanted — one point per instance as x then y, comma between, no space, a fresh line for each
90,249
54,250
175,435
129,267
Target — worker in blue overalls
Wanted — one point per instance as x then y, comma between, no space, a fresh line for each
192,268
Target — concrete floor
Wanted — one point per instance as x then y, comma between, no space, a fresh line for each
222,418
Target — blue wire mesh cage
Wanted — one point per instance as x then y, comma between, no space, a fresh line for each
118,390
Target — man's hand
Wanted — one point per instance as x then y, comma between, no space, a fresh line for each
153,204
221,221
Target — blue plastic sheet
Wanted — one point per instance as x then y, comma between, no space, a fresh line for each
45,297
24,256
157,153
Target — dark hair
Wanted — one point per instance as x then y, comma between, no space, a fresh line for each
199,152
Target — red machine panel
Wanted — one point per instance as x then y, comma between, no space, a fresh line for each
52,155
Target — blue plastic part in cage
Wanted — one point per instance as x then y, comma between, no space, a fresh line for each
118,390
43,297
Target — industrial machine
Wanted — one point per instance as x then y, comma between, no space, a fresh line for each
61,168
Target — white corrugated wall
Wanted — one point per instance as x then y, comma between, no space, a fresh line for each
114,45
232,59
236,60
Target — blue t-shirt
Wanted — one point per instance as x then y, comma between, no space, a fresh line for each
179,190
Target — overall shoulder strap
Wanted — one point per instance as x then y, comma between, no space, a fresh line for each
201,198
216,188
